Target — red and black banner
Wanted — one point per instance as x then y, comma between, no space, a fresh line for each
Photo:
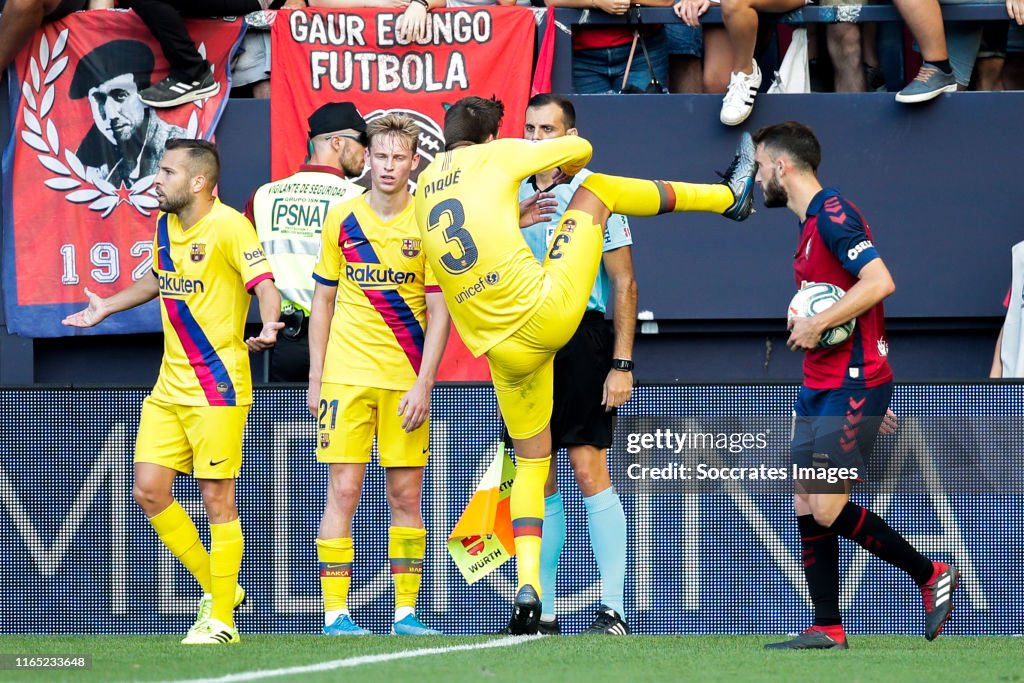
79,209
357,56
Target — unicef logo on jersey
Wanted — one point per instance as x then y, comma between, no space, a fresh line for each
481,284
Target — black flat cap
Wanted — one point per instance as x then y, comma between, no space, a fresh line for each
110,60
336,116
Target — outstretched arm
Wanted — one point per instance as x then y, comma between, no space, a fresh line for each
141,291
270,314
523,158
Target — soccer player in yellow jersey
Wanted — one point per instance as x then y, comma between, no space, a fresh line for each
207,261
373,358
516,310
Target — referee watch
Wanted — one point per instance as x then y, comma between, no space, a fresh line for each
622,365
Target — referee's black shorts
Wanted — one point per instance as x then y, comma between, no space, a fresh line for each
581,367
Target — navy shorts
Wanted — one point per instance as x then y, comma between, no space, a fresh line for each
838,427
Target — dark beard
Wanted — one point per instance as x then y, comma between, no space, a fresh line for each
774,195
351,172
173,204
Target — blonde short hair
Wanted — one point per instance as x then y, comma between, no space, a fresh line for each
400,125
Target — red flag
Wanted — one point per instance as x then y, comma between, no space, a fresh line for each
545,56
79,167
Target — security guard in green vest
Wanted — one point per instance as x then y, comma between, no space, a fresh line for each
289,214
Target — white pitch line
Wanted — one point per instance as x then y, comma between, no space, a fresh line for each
361,660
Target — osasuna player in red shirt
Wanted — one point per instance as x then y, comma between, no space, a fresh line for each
846,389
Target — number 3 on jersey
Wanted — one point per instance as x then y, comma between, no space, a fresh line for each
451,212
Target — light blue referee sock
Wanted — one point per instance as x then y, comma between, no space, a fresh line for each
606,521
551,545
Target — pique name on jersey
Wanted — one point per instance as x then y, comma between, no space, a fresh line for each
441,183
175,285
373,276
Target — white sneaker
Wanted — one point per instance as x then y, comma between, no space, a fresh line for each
206,608
211,632
739,98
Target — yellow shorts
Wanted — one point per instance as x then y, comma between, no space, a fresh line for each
349,416
205,441
522,366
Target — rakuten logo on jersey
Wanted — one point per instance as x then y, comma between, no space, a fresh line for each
375,277
853,253
174,285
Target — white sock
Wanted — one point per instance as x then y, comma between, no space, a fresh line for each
331,616
403,612
548,618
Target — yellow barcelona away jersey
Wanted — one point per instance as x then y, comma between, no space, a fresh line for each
380,313
467,208
206,275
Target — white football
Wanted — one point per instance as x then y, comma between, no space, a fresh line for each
813,298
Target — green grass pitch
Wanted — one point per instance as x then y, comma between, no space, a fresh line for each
568,658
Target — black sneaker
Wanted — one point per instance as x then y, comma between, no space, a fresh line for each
549,628
874,78
525,612
171,92
814,638
938,598
608,622
739,178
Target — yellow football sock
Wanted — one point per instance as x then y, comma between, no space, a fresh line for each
226,545
178,532
636,197
527,508
335,556
406,547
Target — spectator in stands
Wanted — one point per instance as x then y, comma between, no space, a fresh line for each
964,41
486,3
988,68
923,18
995,45
19,19
717,48
844,46
413,24
601,54
127,138
1008,358
191,76
250,67
289,214
684,44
